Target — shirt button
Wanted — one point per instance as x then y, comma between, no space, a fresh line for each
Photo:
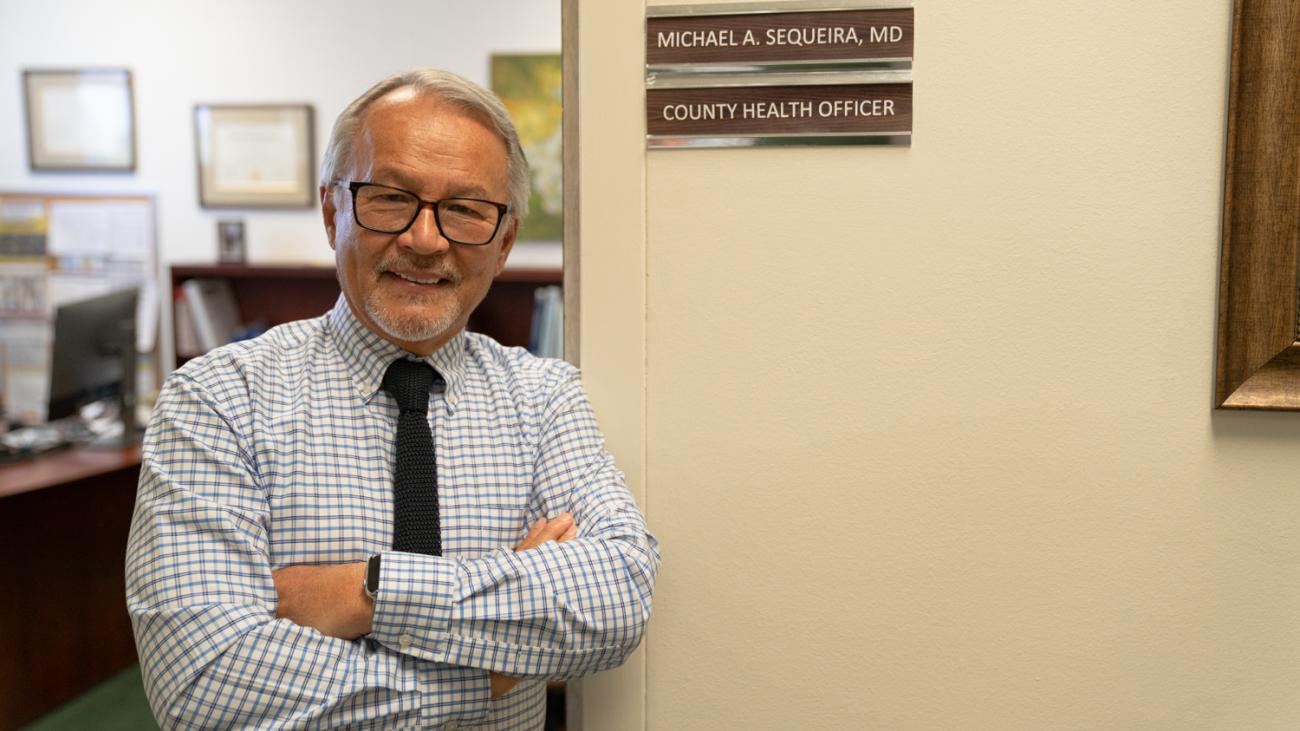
404,641
452,725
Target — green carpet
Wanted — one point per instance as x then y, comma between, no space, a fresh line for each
117,704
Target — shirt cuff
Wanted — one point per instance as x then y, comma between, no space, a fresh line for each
413,605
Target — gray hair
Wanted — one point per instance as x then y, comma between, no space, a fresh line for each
446,86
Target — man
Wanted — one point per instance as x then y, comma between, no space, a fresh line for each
311,548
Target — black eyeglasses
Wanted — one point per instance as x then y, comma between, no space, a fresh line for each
388,210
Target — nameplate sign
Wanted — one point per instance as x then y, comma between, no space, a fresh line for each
848,111
726,37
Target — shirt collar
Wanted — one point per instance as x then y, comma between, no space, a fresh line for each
367,355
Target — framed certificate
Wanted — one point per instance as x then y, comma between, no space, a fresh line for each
255,156
81,119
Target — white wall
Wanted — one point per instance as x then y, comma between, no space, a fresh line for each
324,52
939,452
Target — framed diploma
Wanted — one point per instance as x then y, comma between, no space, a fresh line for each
81,119
255,156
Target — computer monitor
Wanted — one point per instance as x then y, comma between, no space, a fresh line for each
94,355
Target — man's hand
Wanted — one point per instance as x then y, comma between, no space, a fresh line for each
561,528
330,598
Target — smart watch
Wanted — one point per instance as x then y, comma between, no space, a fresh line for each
372,577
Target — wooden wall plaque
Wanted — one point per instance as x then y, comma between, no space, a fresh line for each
746,36
780,72
754,110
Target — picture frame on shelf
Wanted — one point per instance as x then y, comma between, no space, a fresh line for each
230,242
255,155
80,120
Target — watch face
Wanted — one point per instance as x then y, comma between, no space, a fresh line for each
372,576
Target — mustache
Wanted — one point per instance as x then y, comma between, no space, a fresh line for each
418,266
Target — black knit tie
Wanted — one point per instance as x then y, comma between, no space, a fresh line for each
415,475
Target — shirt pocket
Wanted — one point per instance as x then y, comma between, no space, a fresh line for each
484,499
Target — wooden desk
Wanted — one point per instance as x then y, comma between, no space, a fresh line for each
64,519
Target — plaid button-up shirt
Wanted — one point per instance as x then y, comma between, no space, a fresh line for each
278,451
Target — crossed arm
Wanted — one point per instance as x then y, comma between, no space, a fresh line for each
331,600
227,642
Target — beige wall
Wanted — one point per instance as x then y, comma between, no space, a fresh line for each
933,447
611,317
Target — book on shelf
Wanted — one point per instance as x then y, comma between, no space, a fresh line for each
547,336
187,340
212,311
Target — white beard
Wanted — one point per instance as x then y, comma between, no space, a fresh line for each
428,324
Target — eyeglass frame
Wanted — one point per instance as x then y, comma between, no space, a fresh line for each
354,185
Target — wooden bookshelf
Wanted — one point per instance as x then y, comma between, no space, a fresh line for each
276,294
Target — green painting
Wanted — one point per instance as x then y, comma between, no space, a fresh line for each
529,85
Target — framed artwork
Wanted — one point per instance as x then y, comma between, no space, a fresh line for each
255,156
530,86
80,119
1258,347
